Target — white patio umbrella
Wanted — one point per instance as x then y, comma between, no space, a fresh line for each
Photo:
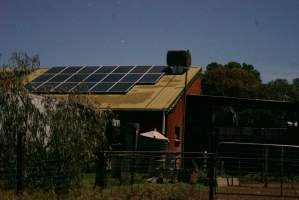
154,134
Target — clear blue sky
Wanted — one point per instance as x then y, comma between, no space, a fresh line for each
264,33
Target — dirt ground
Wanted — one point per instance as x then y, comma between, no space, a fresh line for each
258,192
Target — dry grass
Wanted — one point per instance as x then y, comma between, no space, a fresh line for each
136,192
178,191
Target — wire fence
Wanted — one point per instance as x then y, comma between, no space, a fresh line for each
113,170
158,167
235,169
257,169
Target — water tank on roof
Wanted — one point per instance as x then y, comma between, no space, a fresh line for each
179,58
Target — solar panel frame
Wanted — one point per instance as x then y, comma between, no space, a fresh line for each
60,78
47,87
65,87
84,87
56,69
43,78
131,78
150,78
32,86
157,69
89,79
113,77
72,69
106,69
95,77
123,69
102,87
89,69
140,69
77,78
121,87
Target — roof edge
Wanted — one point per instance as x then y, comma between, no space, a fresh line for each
197,75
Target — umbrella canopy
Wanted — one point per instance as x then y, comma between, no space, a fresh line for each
154,134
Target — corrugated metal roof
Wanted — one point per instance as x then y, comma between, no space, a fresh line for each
160,96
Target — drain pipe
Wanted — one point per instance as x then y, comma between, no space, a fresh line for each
164,123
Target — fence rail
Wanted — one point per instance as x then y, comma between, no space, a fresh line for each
257,169
235,169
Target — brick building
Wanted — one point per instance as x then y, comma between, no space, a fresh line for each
157,106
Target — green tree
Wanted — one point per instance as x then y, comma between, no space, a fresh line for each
243,80
23,61
56,137
280,89
232,79
19,66
296,83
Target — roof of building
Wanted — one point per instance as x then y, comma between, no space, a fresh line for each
160,96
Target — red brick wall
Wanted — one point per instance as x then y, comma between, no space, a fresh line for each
195,88
175,117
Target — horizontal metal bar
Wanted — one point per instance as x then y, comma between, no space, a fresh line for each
258,144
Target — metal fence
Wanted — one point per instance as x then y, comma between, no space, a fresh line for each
160,167
236,169
257,169
115,169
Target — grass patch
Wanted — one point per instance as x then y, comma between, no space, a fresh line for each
177,191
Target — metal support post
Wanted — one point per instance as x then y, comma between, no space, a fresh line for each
266,168
281,170
211,176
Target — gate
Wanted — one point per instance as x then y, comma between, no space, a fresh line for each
257,169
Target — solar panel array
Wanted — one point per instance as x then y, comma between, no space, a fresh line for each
94,79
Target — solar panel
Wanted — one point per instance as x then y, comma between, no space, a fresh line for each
140,69
88,69
43,77
84,87
157,69
60,77
56,70
32,86
102,87
47,87
121,87
150,78
77,78
113,78
101,79
106,69
95,77
72,69
65,87
123,69
131,78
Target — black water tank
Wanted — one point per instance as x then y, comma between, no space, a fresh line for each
179,58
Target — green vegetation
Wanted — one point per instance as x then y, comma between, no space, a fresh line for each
45,142
243,81
145,192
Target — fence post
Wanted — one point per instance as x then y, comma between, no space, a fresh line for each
211,176
20,163
239,170
281,170
136,128
132,169
100,179
266,157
